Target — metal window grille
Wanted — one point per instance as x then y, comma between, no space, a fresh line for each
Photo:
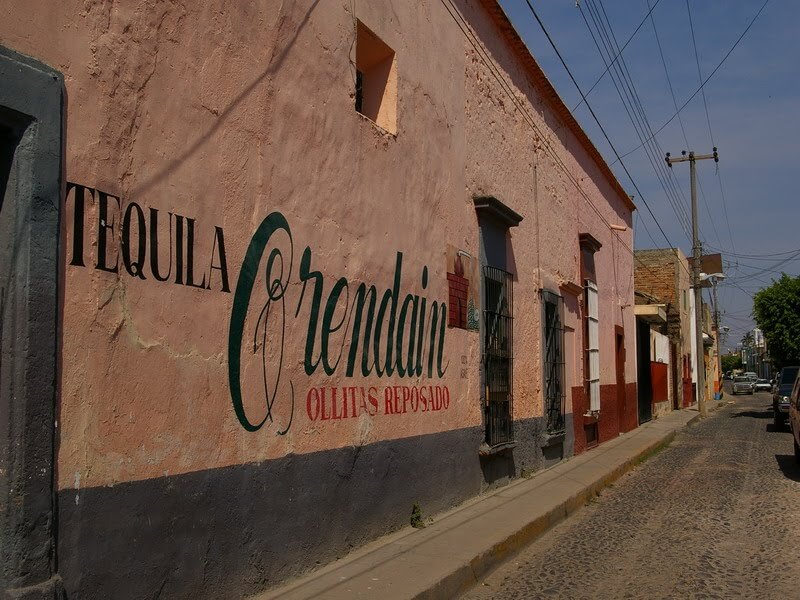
554,395
498,355
593,345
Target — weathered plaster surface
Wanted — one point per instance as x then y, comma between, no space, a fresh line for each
226,114
519,151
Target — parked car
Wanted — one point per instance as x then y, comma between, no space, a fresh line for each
762,385
784,383
794,417
742,385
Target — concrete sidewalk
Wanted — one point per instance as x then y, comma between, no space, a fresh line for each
461,546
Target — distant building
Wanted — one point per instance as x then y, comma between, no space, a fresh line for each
653,360
755,355
664,275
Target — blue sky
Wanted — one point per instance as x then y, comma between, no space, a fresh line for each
753,102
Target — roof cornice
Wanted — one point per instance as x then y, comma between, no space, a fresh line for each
549,93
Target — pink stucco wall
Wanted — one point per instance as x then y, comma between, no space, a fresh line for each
215,115
226,115
521,152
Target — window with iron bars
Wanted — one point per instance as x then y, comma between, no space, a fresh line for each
554,395
498,355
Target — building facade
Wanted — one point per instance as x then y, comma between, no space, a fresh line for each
316,267
665,274
655,388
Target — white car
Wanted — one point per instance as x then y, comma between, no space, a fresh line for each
763,385
742,385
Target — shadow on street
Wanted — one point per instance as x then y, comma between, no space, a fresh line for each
755,414
788,466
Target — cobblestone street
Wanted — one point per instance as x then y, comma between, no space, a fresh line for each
715,515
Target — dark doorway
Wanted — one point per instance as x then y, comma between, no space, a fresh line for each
622,400
688,385
645,386
674,368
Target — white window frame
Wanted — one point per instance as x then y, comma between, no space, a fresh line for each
593,345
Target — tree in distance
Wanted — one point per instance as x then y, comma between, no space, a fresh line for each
777,312
731,362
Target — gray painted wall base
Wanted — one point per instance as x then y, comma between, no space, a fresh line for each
237,530
52,589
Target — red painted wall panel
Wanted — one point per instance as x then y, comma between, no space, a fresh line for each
609,413
612,420
631,408
658,375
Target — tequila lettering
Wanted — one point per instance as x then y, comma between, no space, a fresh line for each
352,328
133,238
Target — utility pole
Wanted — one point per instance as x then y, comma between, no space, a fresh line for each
698,293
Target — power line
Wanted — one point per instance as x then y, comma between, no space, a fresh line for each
649,235
739,314
706,80
699,73
791,258
682,219
765,256
769,269
625,45
683,128
748,280
666,73
708,210
710,129
589,107
749,293
489,63
671,179
725,208
635,111
741,320
680,120
666,179
746,265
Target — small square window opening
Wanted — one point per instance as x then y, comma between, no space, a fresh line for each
376,79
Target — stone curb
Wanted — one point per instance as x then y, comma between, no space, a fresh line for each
465,577
457,576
